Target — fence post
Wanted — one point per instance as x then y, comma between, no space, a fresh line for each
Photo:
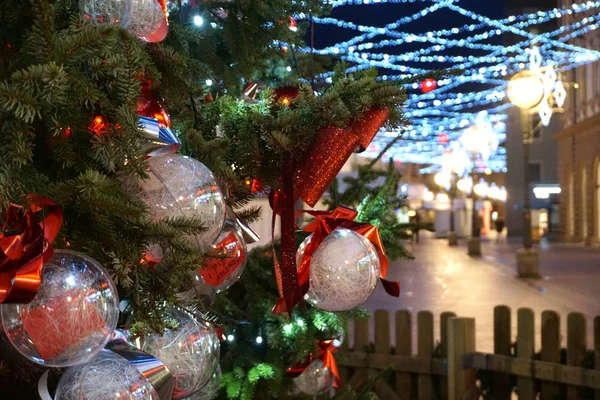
502,335
403,348
382,346
550,351
525,349
444,318
461,340
597,349
576,347
425,345
345,371
361,341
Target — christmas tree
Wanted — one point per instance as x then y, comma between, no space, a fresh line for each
95,97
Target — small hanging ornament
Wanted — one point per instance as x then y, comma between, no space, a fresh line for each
315,379
190,351
72,316
224,263
320,372
428,85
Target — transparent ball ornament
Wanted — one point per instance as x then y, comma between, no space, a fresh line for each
106,377
210,390
145,17
72,316
224,263
344,270
114,12
315,379
179,186
191,352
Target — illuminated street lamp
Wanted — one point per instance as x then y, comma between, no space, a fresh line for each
531,90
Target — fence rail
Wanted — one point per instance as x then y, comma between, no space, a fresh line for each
454,369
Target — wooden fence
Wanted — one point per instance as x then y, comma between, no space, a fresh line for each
453,369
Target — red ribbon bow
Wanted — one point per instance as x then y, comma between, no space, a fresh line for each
25,245
326,350
325,222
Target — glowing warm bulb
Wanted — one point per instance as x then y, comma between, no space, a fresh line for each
525,90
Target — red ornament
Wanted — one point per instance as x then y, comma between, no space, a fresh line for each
442,138
428,85
224,263
149,105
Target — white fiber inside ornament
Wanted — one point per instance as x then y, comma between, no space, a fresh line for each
72,316
344,270
179,186
190,352
315,379
145,17
107,377
210,390
106,11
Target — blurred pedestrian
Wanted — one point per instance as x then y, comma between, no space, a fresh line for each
499,229
415,220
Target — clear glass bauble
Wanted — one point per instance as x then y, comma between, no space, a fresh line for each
191,352
106,377
224,263
72,316
201,294
114,12
179,186
344,270
145,17
211,389
315,379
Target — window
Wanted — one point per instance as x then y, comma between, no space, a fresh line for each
535,172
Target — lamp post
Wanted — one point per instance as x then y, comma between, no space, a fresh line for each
526,91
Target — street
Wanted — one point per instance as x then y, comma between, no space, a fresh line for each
443,278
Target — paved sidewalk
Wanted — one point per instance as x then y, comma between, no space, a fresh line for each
442,278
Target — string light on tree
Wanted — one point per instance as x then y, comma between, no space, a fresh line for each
198,20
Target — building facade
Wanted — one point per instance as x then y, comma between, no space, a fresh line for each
579,146
543,165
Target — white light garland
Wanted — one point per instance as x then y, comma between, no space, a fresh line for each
485,62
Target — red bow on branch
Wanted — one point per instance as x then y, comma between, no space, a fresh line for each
325,222
326,350
25,245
